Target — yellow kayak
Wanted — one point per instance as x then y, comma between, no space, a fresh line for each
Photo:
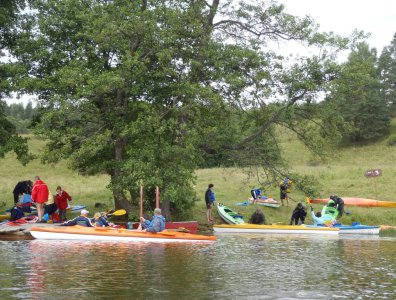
4,217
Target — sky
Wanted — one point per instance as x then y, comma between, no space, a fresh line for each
342,17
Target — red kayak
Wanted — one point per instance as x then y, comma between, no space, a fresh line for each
350,201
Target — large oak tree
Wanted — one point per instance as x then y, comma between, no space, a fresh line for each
142,90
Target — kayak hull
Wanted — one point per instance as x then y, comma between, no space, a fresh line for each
228,215
269,202
350,201
354,229
274,229
109,234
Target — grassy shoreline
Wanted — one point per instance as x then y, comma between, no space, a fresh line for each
342,175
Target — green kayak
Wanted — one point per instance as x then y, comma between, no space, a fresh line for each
228,215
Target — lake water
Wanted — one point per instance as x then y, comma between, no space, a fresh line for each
234,267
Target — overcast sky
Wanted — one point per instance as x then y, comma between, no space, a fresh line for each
342,16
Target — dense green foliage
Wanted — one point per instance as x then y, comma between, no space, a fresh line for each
359,97
20,116
387,69
148,91
9,139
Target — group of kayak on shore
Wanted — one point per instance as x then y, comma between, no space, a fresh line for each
28,194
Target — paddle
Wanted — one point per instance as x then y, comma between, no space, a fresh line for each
119,212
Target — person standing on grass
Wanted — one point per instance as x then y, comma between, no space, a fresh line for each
61,203
209,200
40,193
284,187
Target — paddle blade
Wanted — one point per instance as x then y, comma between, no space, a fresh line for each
308,200
119,212
165,232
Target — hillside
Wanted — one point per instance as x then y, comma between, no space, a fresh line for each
342,174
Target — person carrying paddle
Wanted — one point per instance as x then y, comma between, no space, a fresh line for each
284,187
157,224
209,200
100,220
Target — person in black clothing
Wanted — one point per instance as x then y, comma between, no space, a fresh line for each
339,204
257,217
22,187
299,214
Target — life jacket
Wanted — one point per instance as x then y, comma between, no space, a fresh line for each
329,211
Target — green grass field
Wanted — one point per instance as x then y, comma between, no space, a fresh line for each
342,174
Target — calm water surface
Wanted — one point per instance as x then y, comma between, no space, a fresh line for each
235,267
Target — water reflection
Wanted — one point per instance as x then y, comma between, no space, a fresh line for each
247,266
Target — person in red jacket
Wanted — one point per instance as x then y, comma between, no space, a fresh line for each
61,199
40,193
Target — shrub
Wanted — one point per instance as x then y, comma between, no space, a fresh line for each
392,140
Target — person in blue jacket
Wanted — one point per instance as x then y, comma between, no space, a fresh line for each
209,200
16,212
100,220
319,219
81,220
256,194
157,224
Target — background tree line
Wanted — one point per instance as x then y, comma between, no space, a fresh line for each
20,116
149,91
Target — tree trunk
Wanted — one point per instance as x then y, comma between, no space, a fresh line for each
165,208
120,200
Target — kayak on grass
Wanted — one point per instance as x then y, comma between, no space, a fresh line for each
269,202
354,201
110,234
228,215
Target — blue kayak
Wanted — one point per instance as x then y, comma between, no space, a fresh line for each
355,228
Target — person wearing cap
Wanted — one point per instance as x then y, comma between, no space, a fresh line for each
81,220
157,224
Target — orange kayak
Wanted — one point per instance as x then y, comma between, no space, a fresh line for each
358,202
110,234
